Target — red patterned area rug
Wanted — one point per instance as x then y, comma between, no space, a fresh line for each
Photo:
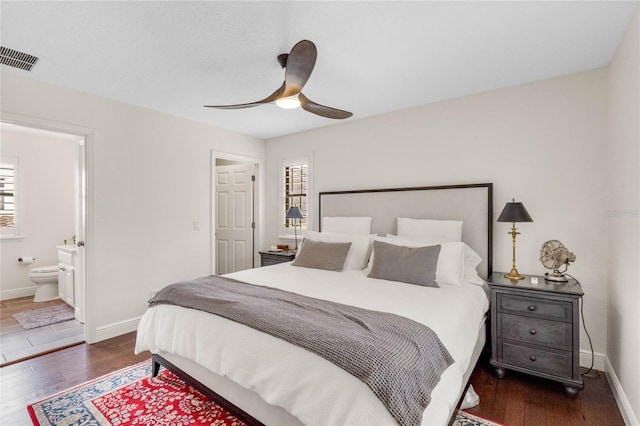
132,397
467,419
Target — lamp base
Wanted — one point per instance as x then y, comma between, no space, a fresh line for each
514,275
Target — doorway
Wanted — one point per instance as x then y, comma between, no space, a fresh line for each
47,338
234,213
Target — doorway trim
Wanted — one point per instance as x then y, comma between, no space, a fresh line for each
257,203
86,202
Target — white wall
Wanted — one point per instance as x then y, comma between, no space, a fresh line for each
623,337
149,179
543,143
48,169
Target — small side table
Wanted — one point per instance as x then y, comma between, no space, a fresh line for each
274,257
535,329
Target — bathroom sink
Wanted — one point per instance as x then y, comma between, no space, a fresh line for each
69,248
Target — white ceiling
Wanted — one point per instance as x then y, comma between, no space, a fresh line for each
373,57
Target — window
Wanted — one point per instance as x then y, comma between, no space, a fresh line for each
296,192
9,205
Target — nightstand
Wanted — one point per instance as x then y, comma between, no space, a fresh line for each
273,257
535,329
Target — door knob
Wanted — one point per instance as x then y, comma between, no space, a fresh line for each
80,243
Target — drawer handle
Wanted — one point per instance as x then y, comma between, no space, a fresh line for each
532,331
532,307
532,357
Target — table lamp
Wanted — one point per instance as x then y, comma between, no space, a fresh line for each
514,212
295,213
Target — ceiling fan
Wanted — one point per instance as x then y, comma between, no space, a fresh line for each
298,65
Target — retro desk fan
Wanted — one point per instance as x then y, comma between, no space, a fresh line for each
554,255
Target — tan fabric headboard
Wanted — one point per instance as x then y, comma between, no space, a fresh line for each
470,203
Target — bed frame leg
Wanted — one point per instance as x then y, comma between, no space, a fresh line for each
155,368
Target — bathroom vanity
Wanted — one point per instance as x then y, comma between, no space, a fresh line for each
66,266
68,279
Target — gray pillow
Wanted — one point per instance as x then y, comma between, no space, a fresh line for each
322,255
412,265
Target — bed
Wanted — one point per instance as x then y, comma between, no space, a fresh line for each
266,380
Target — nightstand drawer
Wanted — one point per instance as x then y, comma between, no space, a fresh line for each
537,331
273,258
557,363
267,261
534,307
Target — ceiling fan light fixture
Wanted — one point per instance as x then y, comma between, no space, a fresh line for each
288,103
298,65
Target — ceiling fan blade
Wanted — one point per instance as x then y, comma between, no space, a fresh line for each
324,111
272,97
237,106
300,63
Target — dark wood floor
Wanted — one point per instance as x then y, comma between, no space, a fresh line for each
35,379
520,399
516,400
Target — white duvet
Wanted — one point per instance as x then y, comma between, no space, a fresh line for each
309,387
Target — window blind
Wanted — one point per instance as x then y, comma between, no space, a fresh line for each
295,193
7,195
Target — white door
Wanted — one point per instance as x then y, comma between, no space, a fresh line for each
234,218
81,211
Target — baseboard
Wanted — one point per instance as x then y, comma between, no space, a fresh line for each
626,410
598,360
17,293
601,362
114,330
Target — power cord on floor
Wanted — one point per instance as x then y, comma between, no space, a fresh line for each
585,373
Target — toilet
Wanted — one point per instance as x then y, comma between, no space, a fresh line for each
46,280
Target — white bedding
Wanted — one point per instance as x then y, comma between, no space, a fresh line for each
309,387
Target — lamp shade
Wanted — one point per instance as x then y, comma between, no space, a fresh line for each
514,212
294,213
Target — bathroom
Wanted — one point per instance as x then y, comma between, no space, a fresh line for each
45,219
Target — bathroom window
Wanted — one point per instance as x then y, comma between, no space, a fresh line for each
9,196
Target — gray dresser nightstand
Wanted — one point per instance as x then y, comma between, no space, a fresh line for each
535,329
273,257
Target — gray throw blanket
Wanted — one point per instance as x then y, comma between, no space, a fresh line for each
399,359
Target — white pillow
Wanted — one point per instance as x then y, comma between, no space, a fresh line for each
358,256
471,262
471,259
347,225
449,230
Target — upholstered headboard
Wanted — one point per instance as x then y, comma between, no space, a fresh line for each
471,204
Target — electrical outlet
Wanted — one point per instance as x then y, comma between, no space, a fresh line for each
196,225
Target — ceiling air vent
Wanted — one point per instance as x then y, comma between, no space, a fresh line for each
16,59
